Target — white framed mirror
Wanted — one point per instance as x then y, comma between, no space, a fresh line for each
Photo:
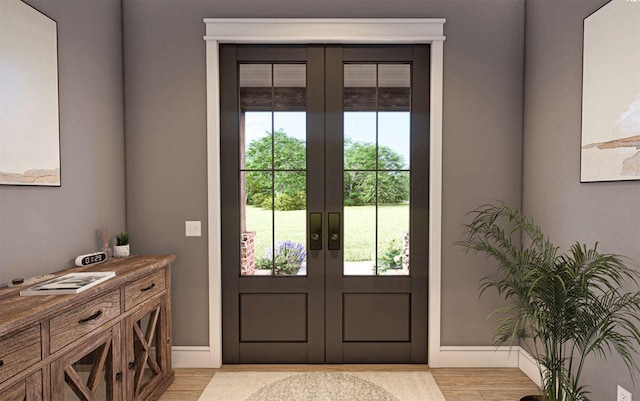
29,107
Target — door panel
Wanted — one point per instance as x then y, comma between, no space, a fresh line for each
271,132
378,291
273,317
391,314
325,189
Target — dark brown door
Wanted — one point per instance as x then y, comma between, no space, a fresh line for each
325,203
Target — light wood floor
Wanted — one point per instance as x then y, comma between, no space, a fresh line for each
455,384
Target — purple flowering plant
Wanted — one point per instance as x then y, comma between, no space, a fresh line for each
288,258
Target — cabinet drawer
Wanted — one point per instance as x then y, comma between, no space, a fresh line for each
19,351
75,323
143,289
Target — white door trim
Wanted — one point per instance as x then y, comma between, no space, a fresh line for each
343,31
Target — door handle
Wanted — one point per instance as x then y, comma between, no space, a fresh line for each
315,231
334,231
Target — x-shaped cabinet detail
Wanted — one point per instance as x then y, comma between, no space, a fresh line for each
90,372
146,361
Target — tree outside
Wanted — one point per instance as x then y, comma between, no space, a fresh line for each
289,187
360,186
289,153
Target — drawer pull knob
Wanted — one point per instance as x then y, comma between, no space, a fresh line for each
148,288
1,363
90,318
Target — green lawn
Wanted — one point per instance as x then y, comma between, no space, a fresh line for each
359,227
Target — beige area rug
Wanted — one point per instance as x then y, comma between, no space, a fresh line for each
322,386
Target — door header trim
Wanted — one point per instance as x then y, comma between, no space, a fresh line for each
343,31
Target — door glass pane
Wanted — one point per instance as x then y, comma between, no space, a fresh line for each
394,87
359,223
290,140
290,76
289,253
360,87
394,76
256,75
359,137
256,89
394,140
257,233
256,140
273,169
290,81
393,223
377,144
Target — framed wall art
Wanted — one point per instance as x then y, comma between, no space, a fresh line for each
29,115
611,93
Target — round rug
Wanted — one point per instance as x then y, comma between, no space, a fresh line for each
320,386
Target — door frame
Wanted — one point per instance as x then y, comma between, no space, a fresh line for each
325,31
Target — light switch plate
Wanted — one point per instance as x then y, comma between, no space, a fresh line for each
623,395
192,228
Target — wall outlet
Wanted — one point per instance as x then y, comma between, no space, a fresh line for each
192,229
623,395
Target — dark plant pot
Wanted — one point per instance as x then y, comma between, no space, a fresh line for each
533,398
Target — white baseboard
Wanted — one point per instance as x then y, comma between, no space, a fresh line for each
479,357
490,357
450,357
190,357
529,367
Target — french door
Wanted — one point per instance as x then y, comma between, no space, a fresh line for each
324,158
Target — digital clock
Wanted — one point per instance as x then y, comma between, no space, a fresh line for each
91,259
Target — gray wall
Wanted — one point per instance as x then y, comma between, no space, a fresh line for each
166,135
166,128
567,210
44,229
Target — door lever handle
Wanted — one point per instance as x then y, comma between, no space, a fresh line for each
315,231
334,231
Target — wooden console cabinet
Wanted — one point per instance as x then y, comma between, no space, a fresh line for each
111,342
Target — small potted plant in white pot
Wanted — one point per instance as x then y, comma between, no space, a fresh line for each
121,249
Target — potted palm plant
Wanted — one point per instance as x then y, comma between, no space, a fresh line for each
561,307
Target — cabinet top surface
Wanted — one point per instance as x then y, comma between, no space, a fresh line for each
18,311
